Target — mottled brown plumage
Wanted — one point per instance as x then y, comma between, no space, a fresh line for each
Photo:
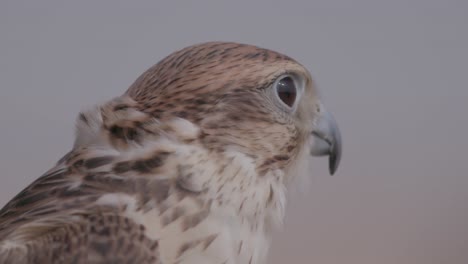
190,165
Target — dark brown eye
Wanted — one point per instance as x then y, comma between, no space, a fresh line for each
286,90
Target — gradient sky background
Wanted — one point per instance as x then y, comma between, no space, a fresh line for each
393,72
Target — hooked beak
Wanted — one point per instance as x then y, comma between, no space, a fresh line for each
327,140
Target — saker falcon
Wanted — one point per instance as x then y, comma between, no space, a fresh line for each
190,165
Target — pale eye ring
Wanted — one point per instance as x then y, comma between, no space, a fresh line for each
286,90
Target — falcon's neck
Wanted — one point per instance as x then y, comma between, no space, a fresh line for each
228,176
182,177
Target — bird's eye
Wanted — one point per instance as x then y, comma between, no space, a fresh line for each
286,90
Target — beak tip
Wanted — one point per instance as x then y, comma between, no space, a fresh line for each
335,155
332,164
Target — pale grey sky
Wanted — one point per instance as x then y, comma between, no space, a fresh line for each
393,72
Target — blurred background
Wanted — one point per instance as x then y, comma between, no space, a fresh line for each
394,73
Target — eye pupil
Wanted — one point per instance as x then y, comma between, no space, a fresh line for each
286,89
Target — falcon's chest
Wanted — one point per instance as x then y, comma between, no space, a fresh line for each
222,213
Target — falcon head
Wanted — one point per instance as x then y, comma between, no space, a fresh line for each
244,98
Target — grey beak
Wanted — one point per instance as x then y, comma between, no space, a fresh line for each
327,140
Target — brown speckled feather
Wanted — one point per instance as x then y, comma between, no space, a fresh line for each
188,166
